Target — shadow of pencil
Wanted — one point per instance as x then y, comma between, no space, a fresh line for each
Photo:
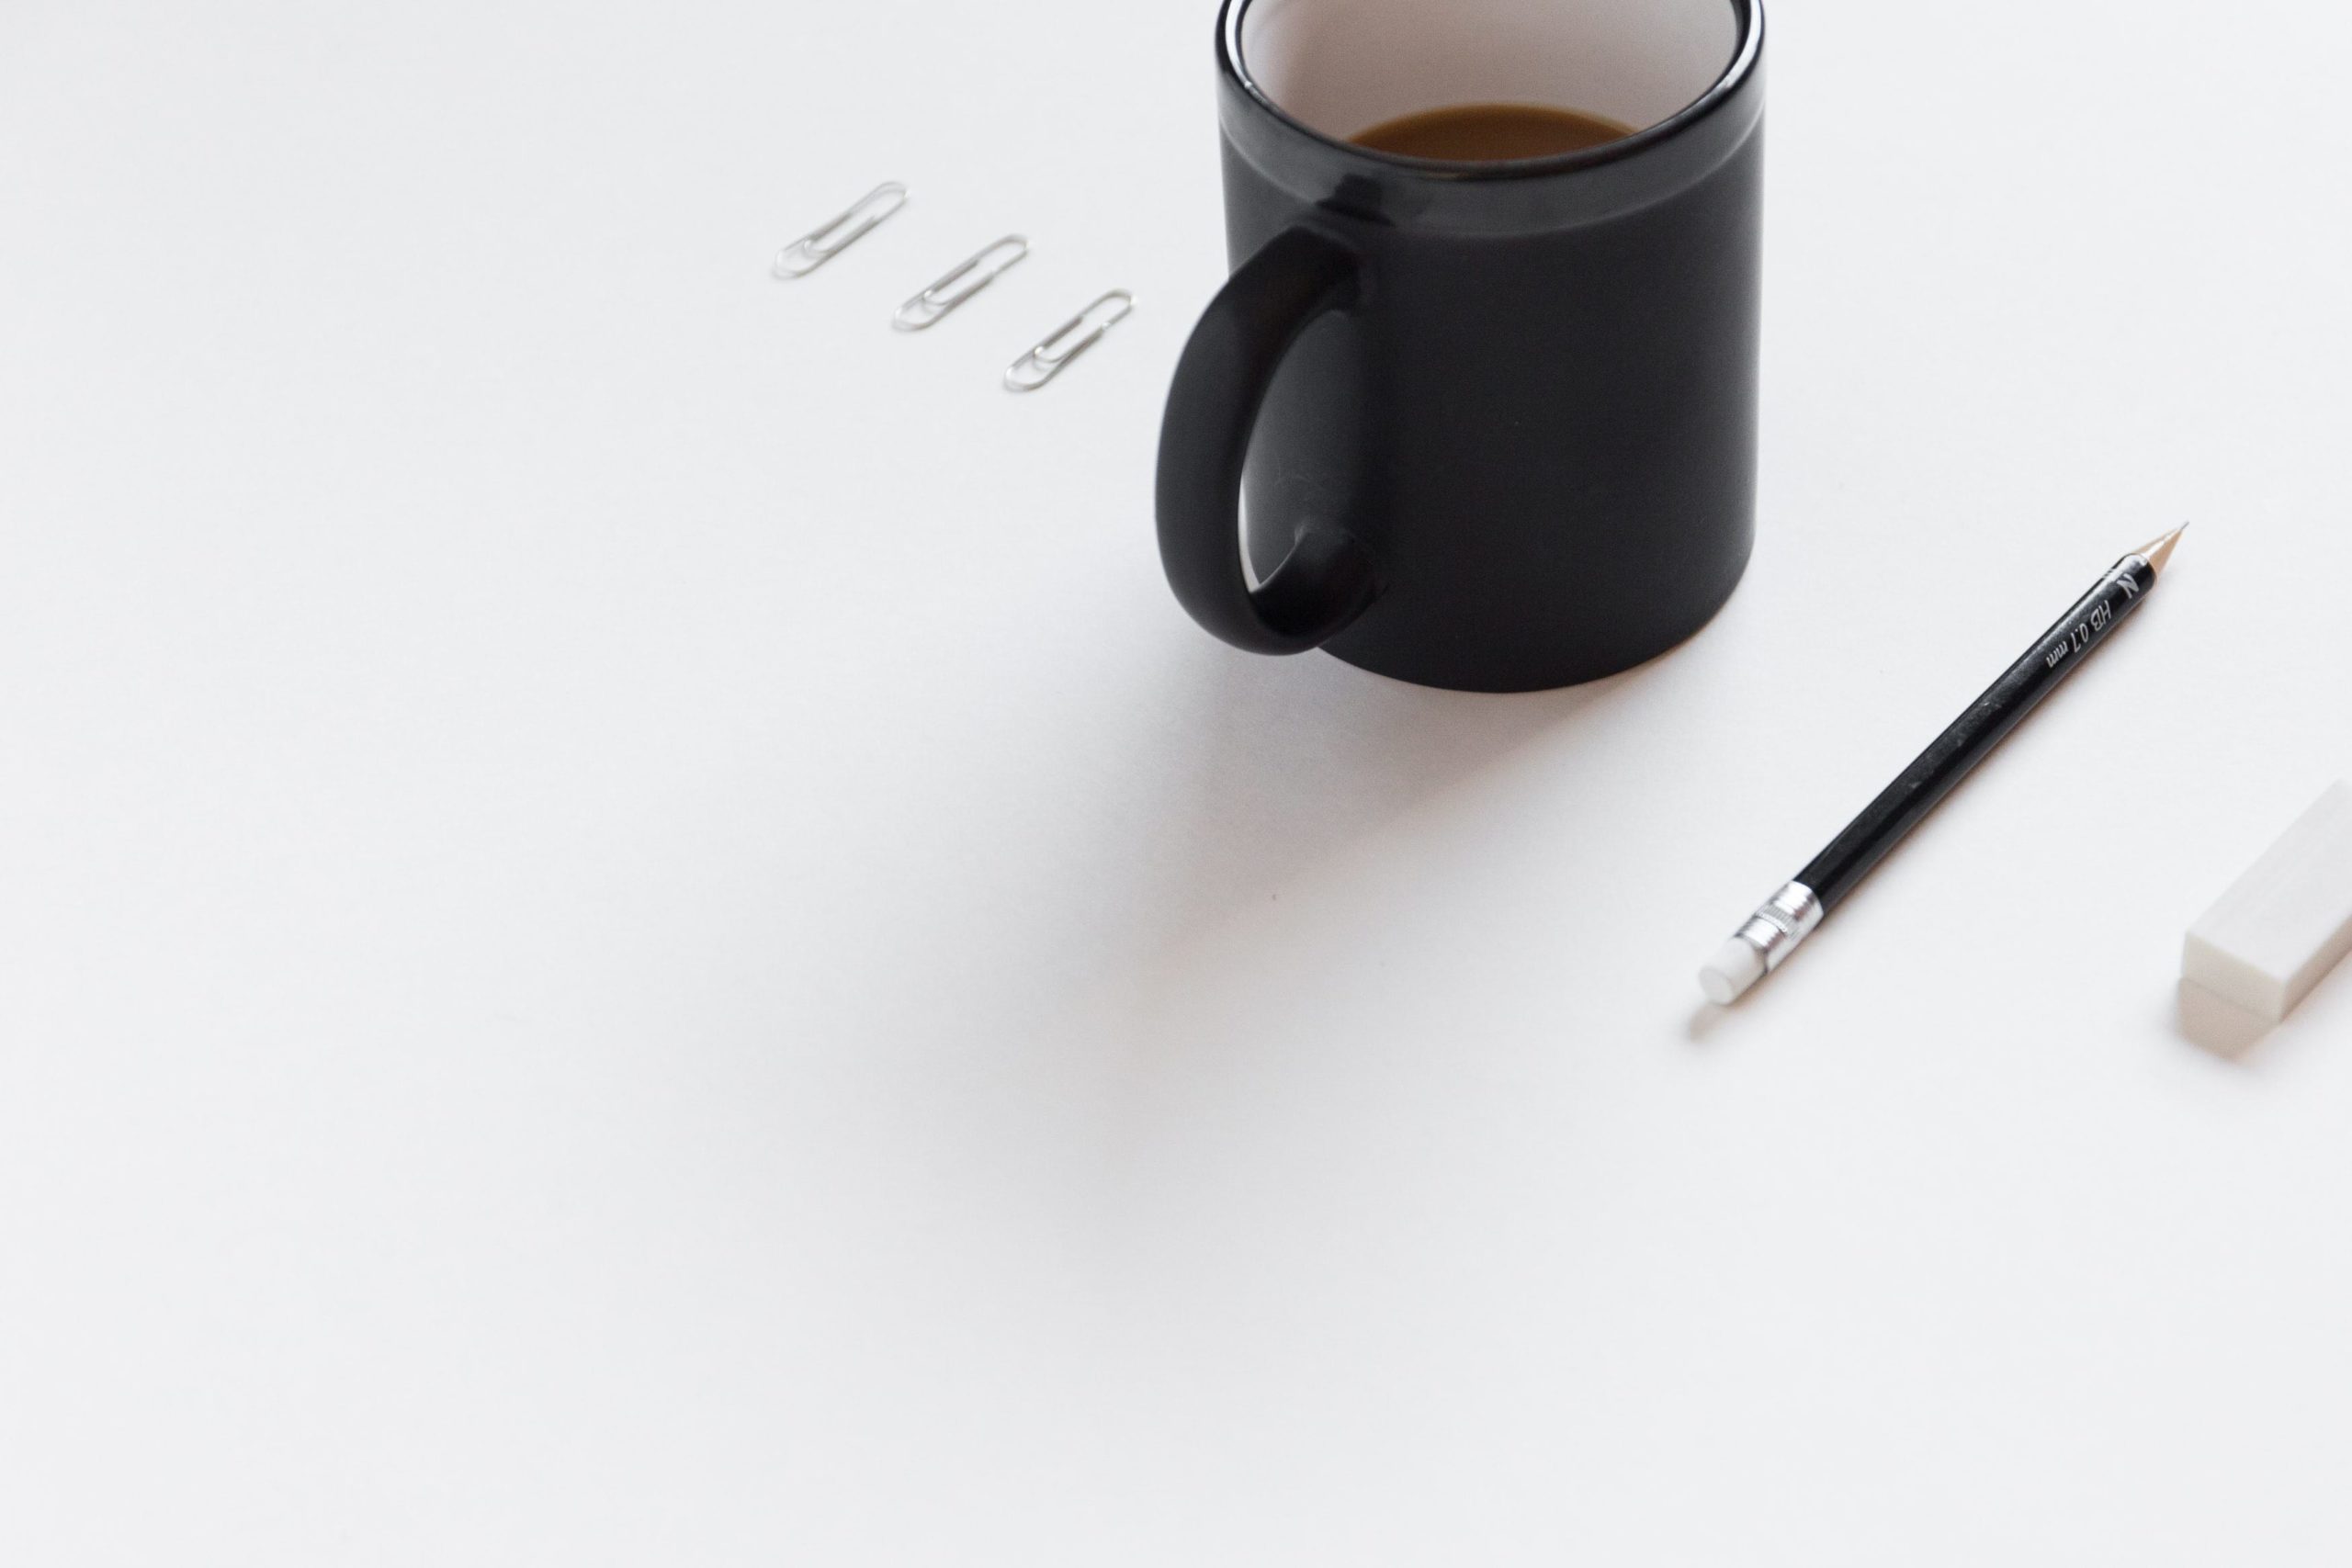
1705,1020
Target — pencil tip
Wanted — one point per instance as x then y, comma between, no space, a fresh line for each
2155,552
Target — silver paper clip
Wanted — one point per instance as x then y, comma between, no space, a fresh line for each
1066,342
934,303
813,250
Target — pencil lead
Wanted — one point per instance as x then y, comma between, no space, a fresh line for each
2155,552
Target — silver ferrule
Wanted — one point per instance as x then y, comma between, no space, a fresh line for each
1787,918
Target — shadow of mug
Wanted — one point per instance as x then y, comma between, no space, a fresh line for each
1291,763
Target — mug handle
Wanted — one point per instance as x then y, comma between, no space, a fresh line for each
1328,579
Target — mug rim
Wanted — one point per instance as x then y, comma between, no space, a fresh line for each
1749,15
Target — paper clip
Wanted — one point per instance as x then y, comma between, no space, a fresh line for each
1066,342
812,251
934,303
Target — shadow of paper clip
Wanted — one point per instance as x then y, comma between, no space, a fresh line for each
1066,342
814,249
934,303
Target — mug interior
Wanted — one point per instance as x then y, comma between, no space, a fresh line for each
1342,67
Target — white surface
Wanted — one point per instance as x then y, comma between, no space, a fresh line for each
1344,67
2284,924
632,929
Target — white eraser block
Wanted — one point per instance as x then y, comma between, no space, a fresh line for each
2287,921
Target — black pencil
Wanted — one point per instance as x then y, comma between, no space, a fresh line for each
1794,913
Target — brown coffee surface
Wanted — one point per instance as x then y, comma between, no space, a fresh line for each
1487,133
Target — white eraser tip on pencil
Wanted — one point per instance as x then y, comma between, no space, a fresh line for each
1727,976
2284,924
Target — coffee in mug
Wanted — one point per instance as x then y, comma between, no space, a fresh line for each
1482,133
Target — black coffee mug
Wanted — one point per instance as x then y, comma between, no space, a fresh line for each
1499,418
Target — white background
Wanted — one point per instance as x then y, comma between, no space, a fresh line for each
632,929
